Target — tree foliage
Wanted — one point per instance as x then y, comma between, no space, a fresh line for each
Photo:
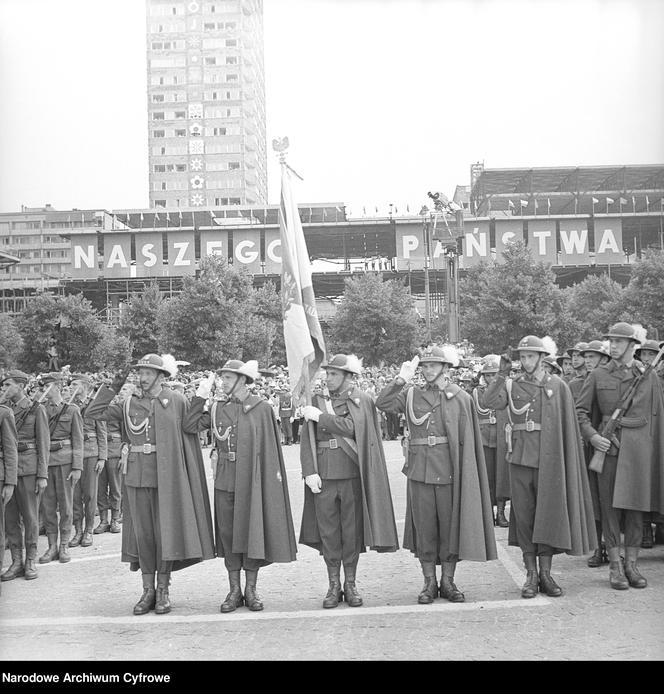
594,305
11,342
376,320
503,302
264,337
113,351
139,321
70,320
642,299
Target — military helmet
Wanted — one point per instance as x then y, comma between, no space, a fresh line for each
445,354
53,377
622,330
490,364
345,362
16,375
579,347
651,345
598,347
561,357
84,378
532,343
153,361
249,369
553,363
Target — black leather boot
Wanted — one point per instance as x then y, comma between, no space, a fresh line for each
351,596
501,520
251,597
430,590
16,569
51,553
634,578
234,599
448,589
104,525
617,578
596,559
334,593
646,539
531,586
86,540
147,601
546,583
162,603
30,565
78,535
64,555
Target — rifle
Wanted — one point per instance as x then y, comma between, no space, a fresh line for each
54,421
609,431
26,413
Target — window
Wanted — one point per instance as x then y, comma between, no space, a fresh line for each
209,26
218,131
159,168
231,42
180,167
210,60
231,60
231,78
180,114
157,98
158,115
160,203
180,132
233,165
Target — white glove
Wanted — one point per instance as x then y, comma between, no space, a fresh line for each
205,387
311,413
313,481
408,368
214,457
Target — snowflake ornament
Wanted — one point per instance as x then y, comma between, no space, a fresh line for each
197,182
196,199
196,147
196,164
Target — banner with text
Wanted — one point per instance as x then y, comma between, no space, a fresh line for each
214,242
117,256
507,231
247,250
608,241
542,240
574,248
476,243
272,251
181,253
84,256
149,254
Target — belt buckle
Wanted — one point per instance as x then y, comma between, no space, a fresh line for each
333,444
530,425
431,440
231,456
147,448
492,419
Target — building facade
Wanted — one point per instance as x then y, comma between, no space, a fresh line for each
206,103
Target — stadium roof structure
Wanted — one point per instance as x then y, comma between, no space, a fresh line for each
568,190
7,259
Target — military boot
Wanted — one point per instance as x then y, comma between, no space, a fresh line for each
104,525
334,593
251,597
617,577
162,603
635,579
51,554
64,553
351,596
448,589
546,583
78,535
234,599
147,601
16,569
30,566
501,520
86,540
596,559
429,591
115,523
646,539
531,586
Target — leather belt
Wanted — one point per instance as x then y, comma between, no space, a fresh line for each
527,426
328,443
87,437
428,441
56,445
146,448
491,420
26,446
114,437
228,455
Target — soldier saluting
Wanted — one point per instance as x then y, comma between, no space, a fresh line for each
631,482
448,510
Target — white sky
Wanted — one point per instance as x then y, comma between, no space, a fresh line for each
382,100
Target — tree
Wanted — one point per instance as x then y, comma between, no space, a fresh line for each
11,342
376,320
113,351
206,324
139,322
69,320
594,304
264,338
642,300
503,302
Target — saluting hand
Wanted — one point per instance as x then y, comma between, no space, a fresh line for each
407,372
205,387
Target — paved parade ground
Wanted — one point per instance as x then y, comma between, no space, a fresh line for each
83,610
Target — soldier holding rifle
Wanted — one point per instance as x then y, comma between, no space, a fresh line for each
631,439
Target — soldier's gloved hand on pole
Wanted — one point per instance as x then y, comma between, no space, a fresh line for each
74,476
407,372
600,443
119,379
311,413
205,387
313,482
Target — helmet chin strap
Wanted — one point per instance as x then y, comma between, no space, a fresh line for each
154,380
235,385
538,366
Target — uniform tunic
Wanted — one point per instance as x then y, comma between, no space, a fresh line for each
66,455
33,451
8,464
